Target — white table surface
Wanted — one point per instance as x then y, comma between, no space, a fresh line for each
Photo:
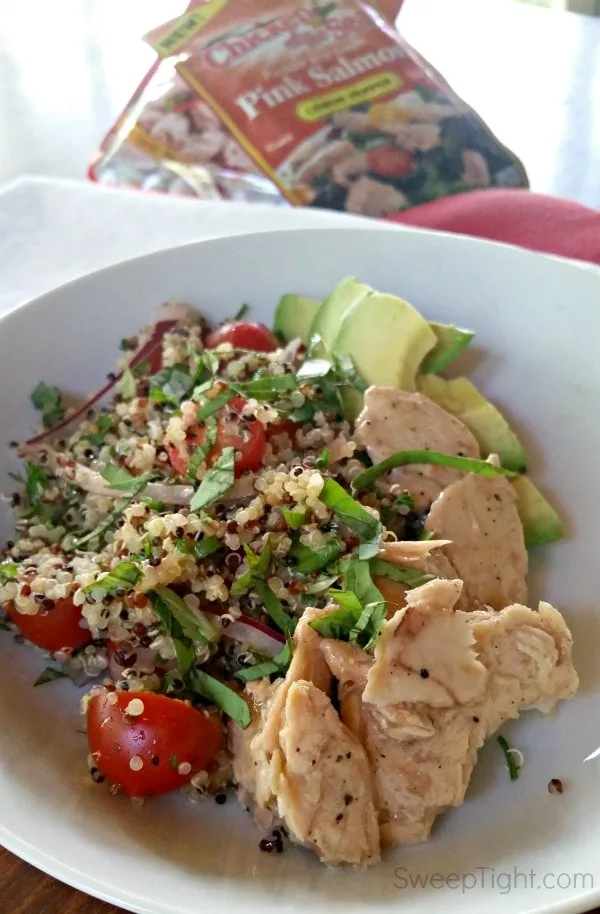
67,68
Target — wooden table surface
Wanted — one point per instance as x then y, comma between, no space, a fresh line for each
546,106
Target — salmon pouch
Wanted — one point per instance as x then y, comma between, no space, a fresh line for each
314,102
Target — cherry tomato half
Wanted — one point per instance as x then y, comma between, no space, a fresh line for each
243,335
247,436
149,752
53,629
389,162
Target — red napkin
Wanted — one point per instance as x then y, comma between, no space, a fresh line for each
533,221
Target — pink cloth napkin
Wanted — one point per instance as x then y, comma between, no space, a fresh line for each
534,221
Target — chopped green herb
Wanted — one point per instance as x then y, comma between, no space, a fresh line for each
295,519
123,576
351,512
404,501
200,549
199,454
426,534
141,369
185,654
194,624
513,768
309,560
112,517
119,479
154,504
412,577
171,385
36,483
225,698
49,401
127,386
104,423
337,624
241,313
405,458
174,763
279,664
8,572
371,617
217,480
322,461
275,608
49,675
267,387
321,584
210,407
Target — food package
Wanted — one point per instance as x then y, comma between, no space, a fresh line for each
307,102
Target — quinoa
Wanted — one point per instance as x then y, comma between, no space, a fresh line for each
107,523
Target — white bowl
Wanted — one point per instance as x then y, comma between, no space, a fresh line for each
518,848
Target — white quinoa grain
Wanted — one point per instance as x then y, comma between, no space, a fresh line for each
135,707
136,763
184,768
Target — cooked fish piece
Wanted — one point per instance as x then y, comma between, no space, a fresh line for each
423,555
394,420
252,749
322,781
442,680
480,518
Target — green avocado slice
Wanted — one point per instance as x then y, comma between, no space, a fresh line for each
462,399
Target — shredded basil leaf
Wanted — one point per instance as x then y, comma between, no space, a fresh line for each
513,768
49,675
140,369
217,480
275,608
154,504
310,560
220,694
337,624
104,423
346,599
171,385
110,518
210,407
200,549
241,313
199,454
426,534
49,401
369,621
194,624
121,480
185,654
123,576
351,512
322,461
279,664
8,572
295,519
36,483
404,458
267,387
412,577
127,386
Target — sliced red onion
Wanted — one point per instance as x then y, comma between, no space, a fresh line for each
170,314
180,495
262,639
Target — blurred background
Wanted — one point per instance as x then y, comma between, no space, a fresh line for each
530,68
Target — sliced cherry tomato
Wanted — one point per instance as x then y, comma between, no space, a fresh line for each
247,436
243,335
53,629
149,752
389,162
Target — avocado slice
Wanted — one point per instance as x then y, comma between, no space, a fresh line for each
450,343
386,338
294,315
329,316
541,523
462,399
